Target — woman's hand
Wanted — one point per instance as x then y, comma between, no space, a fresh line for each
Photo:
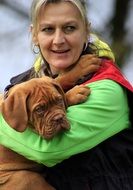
86,64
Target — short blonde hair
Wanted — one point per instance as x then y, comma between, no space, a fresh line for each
37,4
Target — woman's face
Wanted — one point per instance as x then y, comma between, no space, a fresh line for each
61,34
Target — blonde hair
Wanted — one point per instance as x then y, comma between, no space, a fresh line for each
37,5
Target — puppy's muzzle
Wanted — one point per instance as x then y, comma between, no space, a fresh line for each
55,122
58,119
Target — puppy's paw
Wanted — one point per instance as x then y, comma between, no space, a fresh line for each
77,94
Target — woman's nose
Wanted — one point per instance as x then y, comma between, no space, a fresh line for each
59,37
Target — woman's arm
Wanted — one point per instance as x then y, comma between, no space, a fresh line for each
104,114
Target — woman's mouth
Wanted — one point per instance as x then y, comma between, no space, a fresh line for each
60,51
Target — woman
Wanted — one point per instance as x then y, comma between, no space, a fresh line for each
97,152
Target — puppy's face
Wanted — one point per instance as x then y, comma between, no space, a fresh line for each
40,102
47,109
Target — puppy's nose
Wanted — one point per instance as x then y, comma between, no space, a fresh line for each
58,118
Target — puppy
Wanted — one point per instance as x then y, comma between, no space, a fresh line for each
41,104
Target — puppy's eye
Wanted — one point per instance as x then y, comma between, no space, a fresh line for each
60,101
40,110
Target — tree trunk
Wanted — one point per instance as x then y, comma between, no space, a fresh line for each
118,33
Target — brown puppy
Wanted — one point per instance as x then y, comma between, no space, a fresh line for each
41,103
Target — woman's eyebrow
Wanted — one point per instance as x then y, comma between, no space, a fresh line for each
51,23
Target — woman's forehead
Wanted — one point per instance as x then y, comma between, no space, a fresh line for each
63,10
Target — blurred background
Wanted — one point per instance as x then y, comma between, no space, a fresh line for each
112,20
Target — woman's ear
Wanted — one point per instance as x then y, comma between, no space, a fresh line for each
87,31
33,34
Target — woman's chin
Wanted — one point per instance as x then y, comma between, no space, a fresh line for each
61,65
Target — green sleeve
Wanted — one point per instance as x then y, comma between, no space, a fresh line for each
104,114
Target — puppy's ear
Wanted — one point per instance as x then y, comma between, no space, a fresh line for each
60,90
14,110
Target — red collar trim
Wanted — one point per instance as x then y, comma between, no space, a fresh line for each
109,70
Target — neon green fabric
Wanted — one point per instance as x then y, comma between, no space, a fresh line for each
37,64
104,114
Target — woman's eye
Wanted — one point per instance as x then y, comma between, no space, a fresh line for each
69,29
48,30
